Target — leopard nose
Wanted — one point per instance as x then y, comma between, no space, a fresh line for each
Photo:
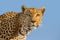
33,21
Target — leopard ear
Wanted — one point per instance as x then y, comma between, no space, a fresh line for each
42,10
24,8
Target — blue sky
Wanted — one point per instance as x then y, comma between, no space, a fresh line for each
50,27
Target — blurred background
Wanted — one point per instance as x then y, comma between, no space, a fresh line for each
50,27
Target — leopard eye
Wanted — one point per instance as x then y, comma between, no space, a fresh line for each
38,15
28,14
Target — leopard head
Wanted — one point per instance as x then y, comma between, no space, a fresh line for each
35,14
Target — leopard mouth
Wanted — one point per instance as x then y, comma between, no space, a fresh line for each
33,26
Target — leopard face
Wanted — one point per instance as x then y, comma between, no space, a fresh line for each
35,14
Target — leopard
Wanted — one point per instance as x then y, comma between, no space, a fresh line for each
17,25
